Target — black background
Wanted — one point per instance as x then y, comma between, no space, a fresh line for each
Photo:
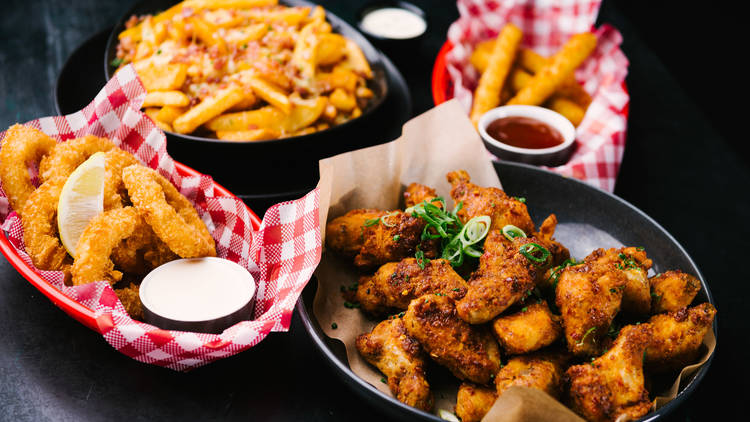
684,165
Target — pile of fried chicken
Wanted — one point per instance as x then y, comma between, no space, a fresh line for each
553,321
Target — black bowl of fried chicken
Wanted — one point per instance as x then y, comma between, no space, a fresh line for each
572,288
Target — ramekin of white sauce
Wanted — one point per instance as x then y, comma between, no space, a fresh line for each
204,295
396,21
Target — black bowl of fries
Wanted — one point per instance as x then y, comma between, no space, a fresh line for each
239,98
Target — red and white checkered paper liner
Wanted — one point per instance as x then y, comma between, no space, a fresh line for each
547,25
281,255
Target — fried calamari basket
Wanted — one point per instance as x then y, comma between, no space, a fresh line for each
281,252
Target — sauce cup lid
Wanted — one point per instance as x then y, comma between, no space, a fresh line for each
554,119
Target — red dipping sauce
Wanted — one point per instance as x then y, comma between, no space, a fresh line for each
524,132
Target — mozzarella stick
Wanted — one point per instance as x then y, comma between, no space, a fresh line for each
519,79
487,94
569,88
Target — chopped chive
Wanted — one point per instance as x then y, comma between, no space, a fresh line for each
334,326
372,222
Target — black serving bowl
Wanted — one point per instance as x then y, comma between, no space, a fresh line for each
588,218
283,165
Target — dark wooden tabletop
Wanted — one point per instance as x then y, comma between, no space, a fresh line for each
682,166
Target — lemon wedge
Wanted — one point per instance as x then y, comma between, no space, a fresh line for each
81,199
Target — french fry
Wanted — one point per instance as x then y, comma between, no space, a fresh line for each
305,50
487,94
342,100
567,108
331,49
268,117
356,60
339,78
167,114
208,109
246,34
481,54
165,98
134,32
161,78
304,113
570,88
207,33
153,113
270,93
262,134
552,76
225,4
292,16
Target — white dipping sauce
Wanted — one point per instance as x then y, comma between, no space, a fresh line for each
394,22
197,289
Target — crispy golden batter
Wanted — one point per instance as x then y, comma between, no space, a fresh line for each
530,329
636,298
23,145
395,284
504,277
543,371
474,401
488,201
677,337
131,300
40,234
469,352
142,251
672,291
416,193
66,156
345,234
397,355
611,387
558,252
115,194
589,296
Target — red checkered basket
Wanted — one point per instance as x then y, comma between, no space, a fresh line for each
281,252
546,26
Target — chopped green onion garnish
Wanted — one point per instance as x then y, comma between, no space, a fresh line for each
511,232
589,331
447,416
475,230
372,222
334,326
528,250
396,238
520,199
385,219
116,62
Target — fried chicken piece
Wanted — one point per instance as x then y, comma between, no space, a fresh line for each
530,329
543,371
589,295
493,202
469,352
672,291
677,337
558,252
636,298
504,277
345,234
398,355
131,300
611,387
381,237
474,401
415,193
395,284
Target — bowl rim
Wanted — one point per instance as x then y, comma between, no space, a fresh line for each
79,312
397,4
349,377
550,117
376,64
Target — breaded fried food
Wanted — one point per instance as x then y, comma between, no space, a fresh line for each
672,291
558,252
131,300
529,330
142,251
504,277
543,371
474,401
22,146
611,387
589,295
677,337
396,284
345,234
66,156
40,235
416,193
172,217
95,245
468,351
490,201
636,298
399,356
115,194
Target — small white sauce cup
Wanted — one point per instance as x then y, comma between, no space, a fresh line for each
552,156
168,307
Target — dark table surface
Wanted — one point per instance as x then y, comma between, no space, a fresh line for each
682,166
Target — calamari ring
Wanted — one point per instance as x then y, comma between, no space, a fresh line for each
172,217
22,145
131,300
115,193
103,233
142,251
40,234
66,156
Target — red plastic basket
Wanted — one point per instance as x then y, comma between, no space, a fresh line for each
81,313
